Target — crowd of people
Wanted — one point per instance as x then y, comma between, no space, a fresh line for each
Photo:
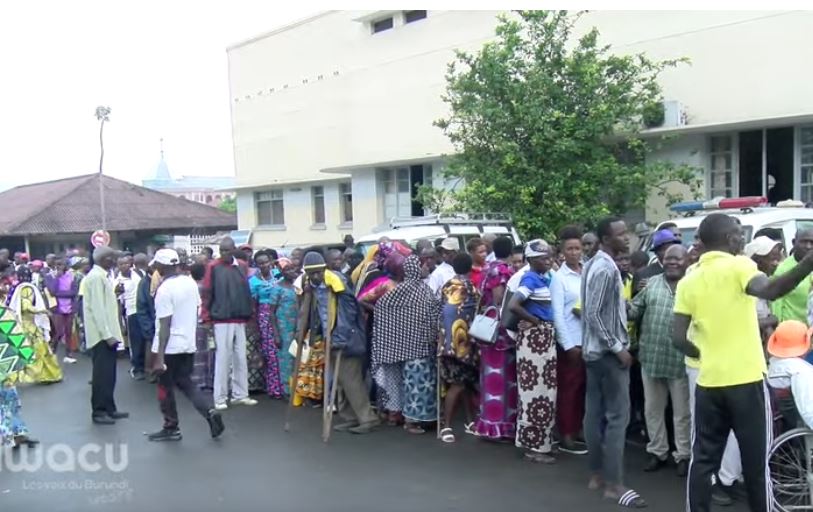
569,347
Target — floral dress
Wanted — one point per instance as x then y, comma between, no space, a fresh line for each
498,366
283,302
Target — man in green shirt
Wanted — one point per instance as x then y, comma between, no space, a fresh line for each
102,335
793,306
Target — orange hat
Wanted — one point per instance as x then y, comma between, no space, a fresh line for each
790,339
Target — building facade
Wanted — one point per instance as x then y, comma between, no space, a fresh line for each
332,117
208,190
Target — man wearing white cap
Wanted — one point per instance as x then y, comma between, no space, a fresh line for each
176,321
444,272
767,254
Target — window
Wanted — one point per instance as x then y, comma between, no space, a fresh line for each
346,202
270,208
413,16
382,25
318,196
721,166
806,160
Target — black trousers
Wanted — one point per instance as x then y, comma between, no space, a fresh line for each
179,374
137,343
745,409
103,383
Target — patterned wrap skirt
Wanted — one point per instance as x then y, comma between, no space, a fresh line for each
498,393
409,388
268,345
11,425
536,372
311,380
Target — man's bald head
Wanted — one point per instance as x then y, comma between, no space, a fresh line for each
802,243
675,261
105,257
227,248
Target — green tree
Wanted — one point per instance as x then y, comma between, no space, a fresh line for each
228,204
546,127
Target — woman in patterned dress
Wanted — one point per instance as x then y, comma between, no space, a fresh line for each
13,430
536,355
498,360
261,285
283,312
33,317
403,345
457,352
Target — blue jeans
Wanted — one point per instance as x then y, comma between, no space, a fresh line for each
607,414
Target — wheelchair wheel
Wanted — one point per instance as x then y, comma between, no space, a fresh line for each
791,469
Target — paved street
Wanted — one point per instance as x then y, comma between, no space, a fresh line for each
257,466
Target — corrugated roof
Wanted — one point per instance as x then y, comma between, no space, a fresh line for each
72,205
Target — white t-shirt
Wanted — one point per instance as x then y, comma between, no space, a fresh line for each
797,374
441,275
177,297
130,291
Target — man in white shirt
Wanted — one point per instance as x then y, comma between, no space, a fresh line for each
444,272
126,284
176,321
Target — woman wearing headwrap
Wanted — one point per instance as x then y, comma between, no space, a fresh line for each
498,360
263,341
32,314
283,311
536,355
404,336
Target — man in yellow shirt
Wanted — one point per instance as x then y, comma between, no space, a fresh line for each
717,298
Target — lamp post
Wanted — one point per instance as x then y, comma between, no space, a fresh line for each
102,115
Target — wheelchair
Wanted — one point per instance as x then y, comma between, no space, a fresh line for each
790,460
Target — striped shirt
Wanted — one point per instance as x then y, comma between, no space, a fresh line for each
604,311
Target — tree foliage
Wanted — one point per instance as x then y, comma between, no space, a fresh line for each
547,127
228,204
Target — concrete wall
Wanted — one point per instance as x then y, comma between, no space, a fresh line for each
744,65
691,150
299,226
375,101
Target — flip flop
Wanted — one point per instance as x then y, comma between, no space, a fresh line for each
447,435
632,499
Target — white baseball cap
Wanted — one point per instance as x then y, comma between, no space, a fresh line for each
760,246
451,244
166,257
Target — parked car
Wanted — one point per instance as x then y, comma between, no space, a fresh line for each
752,212
464,226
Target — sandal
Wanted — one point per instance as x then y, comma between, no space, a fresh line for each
469,427
632,499
540,458
414,428
447,435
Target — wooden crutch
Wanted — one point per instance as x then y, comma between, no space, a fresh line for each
301,328
327,424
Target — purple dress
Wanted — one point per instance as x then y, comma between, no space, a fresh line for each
498,367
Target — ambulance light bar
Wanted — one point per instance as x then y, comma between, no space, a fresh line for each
720,203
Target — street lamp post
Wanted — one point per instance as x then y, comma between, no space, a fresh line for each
102,115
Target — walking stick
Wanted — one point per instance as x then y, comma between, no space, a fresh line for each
327,406
437,390
328,418
301,327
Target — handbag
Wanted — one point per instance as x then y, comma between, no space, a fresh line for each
306,351
485,328
507,318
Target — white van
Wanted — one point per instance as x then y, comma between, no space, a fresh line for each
787,218
464,226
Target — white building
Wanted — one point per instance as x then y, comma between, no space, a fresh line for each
332,116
